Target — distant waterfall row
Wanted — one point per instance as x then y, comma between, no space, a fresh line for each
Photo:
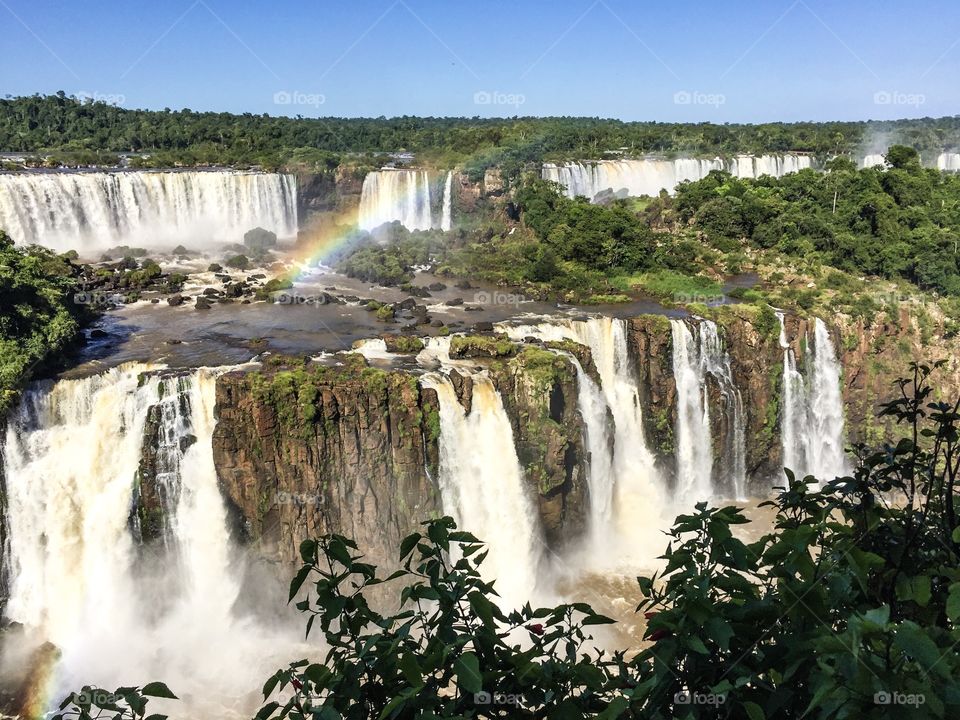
92,211
405,196
633,178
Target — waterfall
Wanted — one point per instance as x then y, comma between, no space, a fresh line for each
812,424
949,162
872,160
597,432
390,195
826,457
120,616
482,485
698,361
650,176
446,222
694,449
794,413
92,211
637,500
716,362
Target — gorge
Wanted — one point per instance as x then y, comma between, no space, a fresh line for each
594,431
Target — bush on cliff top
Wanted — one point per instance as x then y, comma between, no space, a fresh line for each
39,318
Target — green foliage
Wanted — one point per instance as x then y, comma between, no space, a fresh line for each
39,318
899,222
83,132
447,650
498,346
672,286
598,236
849,605
126,703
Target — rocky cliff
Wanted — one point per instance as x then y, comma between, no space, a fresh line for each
302,451
539,391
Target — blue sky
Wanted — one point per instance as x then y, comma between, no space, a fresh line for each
747,61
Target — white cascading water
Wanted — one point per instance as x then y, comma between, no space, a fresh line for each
812,424
826,458
794,413
71,456
482,485
949,162
389,195
650,176
633,517
93,211
872,160
694,449
696,359
446,221
597,430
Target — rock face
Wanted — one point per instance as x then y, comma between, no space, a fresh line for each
650,345
539,391
756,365
306,452
327,192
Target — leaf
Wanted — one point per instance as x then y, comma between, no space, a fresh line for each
911,639
159,690
408,544
953,602
270,685
615,709
597,620
754,711
467,670
411,670
482,606
267,710
298,581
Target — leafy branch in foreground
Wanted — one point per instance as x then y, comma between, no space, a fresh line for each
449,652
849,608
125,703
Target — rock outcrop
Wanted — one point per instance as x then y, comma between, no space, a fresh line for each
539,391
311,450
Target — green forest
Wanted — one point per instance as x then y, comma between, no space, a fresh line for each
71,131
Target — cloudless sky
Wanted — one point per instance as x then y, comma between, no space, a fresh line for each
733,61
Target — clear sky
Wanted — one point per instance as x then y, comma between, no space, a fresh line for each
733,61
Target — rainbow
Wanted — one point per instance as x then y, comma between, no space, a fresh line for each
325,244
